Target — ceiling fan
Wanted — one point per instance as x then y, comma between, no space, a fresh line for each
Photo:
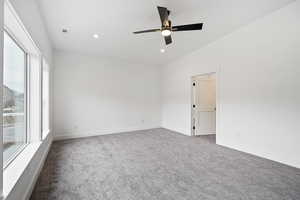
167,28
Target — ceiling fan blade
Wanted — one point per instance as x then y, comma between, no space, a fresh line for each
146,31
163,13
168,39
188,27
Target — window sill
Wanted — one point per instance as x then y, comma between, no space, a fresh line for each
17,151
15,169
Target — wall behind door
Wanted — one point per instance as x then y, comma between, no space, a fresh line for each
258,85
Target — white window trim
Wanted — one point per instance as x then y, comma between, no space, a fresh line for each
17,166
45,67
16,23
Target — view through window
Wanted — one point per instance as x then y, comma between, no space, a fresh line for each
14,98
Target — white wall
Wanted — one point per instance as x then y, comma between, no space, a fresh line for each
1,86
32,18
94,96
29,13
258,87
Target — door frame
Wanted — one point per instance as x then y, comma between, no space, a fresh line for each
217,100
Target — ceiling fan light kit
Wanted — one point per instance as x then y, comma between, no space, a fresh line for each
166,32
166,27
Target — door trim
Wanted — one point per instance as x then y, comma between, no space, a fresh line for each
217,76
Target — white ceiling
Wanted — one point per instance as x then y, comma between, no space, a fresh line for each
115,20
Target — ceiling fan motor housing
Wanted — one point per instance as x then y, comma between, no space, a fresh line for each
167,25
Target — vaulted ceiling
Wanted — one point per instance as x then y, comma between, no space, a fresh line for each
115,20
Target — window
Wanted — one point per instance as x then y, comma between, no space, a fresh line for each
45,99
14,98
22,88
22,99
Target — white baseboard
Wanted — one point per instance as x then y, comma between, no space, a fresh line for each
186,133
83,134
230,146
205,134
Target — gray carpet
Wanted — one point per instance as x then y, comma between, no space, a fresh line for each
160,165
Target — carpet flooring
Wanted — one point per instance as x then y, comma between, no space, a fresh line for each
159,164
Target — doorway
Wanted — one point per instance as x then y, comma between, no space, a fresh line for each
204,104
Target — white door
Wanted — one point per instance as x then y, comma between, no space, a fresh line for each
204,105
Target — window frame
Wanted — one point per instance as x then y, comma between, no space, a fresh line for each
45,67
16,30
26,98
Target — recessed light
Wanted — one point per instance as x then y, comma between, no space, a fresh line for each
162,50
96,36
